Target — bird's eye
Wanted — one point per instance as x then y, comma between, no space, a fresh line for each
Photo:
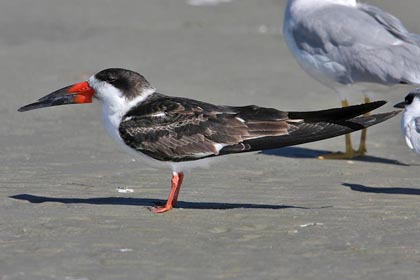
409,99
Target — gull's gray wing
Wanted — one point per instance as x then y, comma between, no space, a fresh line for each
360,45
391,23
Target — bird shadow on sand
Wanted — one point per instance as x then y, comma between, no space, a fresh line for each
299,152
148,202
390,190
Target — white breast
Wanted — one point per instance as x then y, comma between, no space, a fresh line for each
410,125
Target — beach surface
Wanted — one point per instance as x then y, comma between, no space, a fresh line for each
66,210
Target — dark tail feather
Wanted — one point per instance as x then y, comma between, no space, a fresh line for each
310,131
336,114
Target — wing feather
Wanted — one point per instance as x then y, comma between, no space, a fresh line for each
179,129
185,129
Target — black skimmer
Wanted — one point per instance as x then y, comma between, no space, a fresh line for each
181,133
345,42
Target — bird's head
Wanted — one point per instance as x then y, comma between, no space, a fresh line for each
411,101
114,87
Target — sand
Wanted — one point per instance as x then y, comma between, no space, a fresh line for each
273,215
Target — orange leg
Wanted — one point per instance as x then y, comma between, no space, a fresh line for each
180,180
176,182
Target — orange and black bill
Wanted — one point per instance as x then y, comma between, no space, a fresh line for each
75,94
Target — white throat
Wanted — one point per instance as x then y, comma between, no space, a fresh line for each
114,104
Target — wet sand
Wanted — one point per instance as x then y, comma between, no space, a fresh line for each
273,215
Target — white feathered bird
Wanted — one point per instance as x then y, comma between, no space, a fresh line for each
410,122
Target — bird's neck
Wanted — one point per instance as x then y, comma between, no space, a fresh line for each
113,110
119,105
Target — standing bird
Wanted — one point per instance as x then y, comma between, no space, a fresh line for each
342,42
410,123
182,133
